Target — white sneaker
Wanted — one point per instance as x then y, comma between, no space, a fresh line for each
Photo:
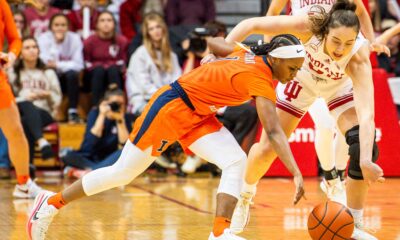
241,215
359,232
335,190
28,190
228,235
191,164
41,216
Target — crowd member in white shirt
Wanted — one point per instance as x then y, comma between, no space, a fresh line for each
61,50
152,66
38,95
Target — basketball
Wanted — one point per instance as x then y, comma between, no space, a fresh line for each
330,220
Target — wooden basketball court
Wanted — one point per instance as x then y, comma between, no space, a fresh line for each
174,208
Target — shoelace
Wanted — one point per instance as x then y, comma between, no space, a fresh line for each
360,225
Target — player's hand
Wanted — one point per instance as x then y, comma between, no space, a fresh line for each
208,58
379,48
7,60
372,173
300,193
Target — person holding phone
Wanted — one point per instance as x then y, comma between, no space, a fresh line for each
107,129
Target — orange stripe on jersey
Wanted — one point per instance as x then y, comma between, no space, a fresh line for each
228,81
8,29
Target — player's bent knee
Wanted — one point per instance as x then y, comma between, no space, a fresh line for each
352,139
232,177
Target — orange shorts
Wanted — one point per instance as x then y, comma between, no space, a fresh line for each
6,94
166,119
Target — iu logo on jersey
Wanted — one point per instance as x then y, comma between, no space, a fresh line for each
292,90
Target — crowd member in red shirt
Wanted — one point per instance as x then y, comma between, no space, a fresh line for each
38,18
76,17
105,56
129,17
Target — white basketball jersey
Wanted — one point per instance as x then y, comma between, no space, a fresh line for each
321,66
302,7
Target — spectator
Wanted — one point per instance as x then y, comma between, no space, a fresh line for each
76,17
107,129
38,18
382,10
62,51
201,11
104,68
21,24
129,18
37,93
152,65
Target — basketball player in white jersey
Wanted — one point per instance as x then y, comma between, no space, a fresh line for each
330,145
336,68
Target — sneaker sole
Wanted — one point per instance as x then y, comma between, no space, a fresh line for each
37,204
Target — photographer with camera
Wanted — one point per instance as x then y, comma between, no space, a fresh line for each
107,129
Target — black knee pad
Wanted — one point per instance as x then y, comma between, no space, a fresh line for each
353,140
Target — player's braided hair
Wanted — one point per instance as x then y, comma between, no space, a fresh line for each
277,41
341,14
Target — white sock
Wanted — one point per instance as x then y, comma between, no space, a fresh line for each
42,143
250,188
357,214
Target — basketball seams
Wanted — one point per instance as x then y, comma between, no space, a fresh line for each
336,233
333,220
322,219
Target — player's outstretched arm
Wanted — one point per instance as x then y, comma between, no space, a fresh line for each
360,71
388,34
275,9
271,26
266,110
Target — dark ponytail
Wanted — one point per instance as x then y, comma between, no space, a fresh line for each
341,14
277,41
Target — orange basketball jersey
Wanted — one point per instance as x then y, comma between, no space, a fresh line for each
228,81
185,110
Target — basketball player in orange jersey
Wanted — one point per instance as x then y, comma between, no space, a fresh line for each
185,111
336,68
330,145
10,122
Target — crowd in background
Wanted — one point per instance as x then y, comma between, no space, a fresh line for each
99,62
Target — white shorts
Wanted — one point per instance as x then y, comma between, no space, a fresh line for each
295,97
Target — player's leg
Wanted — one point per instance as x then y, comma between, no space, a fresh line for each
341,154
293,101
222,149
10,123
261,157
325,127
356,187
132,162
